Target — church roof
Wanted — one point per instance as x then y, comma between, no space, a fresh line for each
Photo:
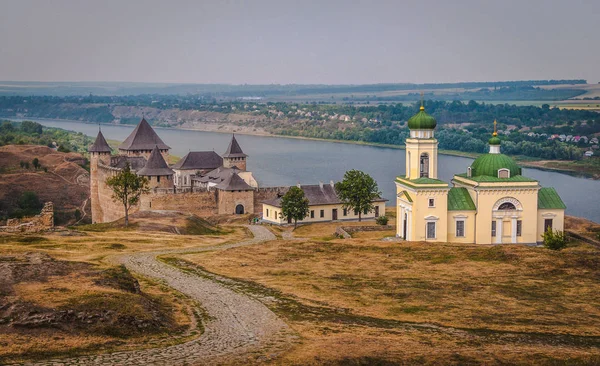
233,182
548,198
459,199
489,164
234,150
199,160
493,179
143,137
100,145
156,165
422,121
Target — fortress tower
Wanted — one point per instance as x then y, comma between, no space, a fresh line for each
142,141
234,156
99,153
157,171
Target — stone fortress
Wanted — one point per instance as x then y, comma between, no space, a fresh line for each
202,182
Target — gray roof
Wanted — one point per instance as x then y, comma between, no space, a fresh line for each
317,195
234,150
217,175
199,160
135,162
100,145
156,165
233,182
143,137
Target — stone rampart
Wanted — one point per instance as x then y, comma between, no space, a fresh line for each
267,193
201,203
42,222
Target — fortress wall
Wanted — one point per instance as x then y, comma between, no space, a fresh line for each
108,210
228,200
266,193
202,203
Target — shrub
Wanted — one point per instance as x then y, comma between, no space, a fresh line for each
382,220
556,240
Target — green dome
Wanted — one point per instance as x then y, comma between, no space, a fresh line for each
422,121
494,141
489,164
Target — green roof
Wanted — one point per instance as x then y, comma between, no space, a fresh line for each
422,121
494,141
406,195
548,198
459,199
487,178
420,181
489,164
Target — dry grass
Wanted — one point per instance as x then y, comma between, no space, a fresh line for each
361,301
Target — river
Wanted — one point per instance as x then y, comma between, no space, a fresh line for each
283,161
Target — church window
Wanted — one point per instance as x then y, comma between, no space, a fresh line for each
503,173
431,230
494,228
322,213
547,224
425,165
507,206
460,229
312,214
431,202
519,227
469,172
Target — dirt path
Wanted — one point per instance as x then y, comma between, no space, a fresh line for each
239,325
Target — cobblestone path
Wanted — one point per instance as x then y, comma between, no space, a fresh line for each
240,328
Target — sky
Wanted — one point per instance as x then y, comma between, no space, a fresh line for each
301,42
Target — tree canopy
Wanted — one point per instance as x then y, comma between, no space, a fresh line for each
127,188
294,206
357,191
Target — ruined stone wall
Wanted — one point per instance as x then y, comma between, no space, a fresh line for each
267,193
228,200
200,203
42,222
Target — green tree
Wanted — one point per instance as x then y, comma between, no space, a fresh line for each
555,240
357,191
294,206
29,205
127,188
36,163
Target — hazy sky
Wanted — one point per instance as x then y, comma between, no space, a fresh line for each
330,42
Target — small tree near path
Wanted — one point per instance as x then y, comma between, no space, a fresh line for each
294,206
127,188
357,191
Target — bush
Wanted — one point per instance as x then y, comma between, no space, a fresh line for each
382,220
556,240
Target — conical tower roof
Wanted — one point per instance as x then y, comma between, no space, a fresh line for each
143,137
100,145
234,150
156,165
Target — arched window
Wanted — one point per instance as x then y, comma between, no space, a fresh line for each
507,206
469,172
503,173
425,165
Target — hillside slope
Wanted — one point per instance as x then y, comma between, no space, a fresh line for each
65,182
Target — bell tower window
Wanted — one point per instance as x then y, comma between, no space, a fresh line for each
424,165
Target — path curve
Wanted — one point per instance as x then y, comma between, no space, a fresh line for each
238,326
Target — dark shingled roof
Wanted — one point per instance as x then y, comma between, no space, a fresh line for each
233,182
234,150
217,175
100,145
143,137
317,195
156,165
199,160
135,162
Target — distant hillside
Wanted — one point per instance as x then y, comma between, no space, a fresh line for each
60,179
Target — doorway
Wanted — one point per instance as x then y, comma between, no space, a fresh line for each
334,214
239,210
376,211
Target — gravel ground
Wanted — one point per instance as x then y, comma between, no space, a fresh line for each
240,329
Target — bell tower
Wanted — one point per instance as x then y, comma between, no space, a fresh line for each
421,146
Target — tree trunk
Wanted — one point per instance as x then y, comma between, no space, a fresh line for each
359,216
126,217
295,223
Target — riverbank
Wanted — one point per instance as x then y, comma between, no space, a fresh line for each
583,168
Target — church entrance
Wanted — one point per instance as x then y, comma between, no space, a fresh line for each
239,210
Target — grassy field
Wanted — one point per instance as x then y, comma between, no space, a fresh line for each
352,301
364,301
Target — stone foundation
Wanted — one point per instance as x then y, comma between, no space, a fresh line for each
42,222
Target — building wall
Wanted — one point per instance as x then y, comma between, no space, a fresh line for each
166,181
105,209
485,201
231,162
469,219
422,213
202,203
414,149
228,200
271,213
144,153
558,221
265,194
